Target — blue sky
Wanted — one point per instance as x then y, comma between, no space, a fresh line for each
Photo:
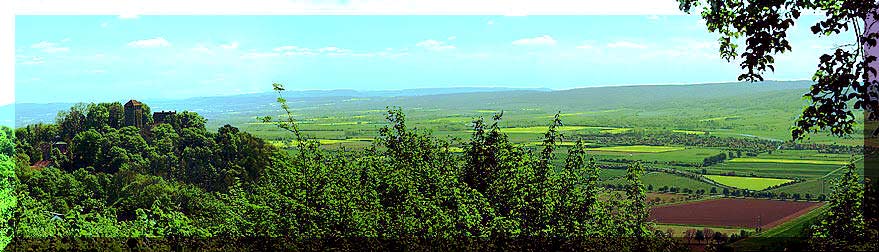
102,58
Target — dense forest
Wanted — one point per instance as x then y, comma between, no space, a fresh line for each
188,185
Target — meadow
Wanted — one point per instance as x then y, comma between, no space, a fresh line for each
749,183
788,161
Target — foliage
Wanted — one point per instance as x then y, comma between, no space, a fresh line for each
8,200
177,180
843,227
842,75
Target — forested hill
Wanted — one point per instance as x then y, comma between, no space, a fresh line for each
655,96
648,97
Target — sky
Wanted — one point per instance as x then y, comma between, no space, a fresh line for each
118,57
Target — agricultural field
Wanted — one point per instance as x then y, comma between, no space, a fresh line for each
788,161
732,212
694,155
773,170
749,183
637,149
657,180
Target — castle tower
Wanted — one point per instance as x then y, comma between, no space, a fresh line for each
134,114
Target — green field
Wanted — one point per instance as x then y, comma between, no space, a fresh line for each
788,161
542,129
766,240
657,180
776,170
750,183
638,149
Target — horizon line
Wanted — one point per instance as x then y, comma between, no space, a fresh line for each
450,87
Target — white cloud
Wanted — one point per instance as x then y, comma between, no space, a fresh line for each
542,40
259,55
450,38
490,22
97,71
230,46
333,49
146,43
202,49
34,61
299,53
586,45
289,48
56,49
626,45
65,40
49,47
105,25
434,45
653,17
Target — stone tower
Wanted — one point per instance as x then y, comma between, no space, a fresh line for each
134,114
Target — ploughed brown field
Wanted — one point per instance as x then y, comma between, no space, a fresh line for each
727,212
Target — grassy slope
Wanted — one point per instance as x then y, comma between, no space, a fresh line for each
790,229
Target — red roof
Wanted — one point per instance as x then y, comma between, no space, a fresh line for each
132,103
39,165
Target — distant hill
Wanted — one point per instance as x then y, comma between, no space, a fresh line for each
644,97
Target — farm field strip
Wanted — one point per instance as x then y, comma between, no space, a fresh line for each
787,161
638,149
543,129
731,212
750,183
693,132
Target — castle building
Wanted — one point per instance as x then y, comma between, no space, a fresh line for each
134,114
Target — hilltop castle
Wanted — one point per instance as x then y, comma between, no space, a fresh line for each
134,115
133,112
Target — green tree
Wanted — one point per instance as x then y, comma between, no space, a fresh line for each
115,115
843,227
637,210
97,116
86,148
8,181
164,157
71,122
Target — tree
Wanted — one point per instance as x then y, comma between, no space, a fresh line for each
71,122
842,76
6,144
115,115
636,209
8,199
842,228
700,235
97,116
87,148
